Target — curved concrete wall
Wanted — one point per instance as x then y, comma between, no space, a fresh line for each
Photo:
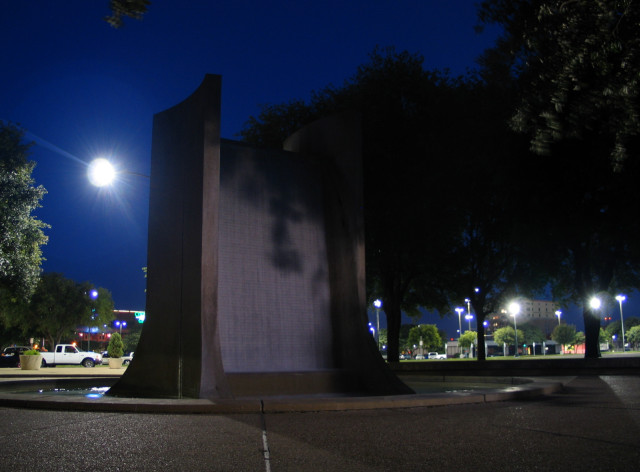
255,263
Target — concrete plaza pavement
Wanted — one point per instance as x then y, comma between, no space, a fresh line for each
593,424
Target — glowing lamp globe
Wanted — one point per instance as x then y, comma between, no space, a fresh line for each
514,308
101,172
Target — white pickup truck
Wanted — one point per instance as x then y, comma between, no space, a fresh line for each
435,355
69,354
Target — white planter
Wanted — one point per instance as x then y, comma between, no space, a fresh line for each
115,362
30,362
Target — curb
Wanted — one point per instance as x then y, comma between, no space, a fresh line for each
524,391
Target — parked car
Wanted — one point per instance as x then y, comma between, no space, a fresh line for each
10,356
105,357
419,357
126,359
435,355
68,354
405,357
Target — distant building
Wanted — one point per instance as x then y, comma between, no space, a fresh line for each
123,321
540,313
127,318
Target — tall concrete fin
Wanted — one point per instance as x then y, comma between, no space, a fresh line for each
179,350
336,142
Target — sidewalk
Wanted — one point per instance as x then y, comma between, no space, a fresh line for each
594,424
13,373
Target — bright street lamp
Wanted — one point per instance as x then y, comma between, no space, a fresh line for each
469,318
620,299
514,309
558,314
595,303
120,324
101,172
468,302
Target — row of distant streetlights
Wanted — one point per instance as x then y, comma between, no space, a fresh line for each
468,316
595,303
514,308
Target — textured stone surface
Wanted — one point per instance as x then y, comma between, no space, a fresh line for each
273,285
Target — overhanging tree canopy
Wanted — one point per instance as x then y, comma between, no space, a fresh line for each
126,8
21,233
577,64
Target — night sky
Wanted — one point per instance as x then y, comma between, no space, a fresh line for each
83,89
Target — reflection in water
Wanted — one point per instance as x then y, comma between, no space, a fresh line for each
93,392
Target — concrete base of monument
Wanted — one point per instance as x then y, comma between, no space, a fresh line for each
64,391
331,382
252,384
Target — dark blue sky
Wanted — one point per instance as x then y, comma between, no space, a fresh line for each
83,89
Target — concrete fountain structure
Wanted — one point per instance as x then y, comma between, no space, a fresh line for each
256,297
256,280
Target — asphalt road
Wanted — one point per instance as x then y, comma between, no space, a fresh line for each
594,425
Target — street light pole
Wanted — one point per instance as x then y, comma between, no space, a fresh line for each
595,304
620,299
558,314
514,309
378,304
459,311
119,324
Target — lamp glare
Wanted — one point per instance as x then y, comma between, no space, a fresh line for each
101,172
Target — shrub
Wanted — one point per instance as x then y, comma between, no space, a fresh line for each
116,347
31,352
